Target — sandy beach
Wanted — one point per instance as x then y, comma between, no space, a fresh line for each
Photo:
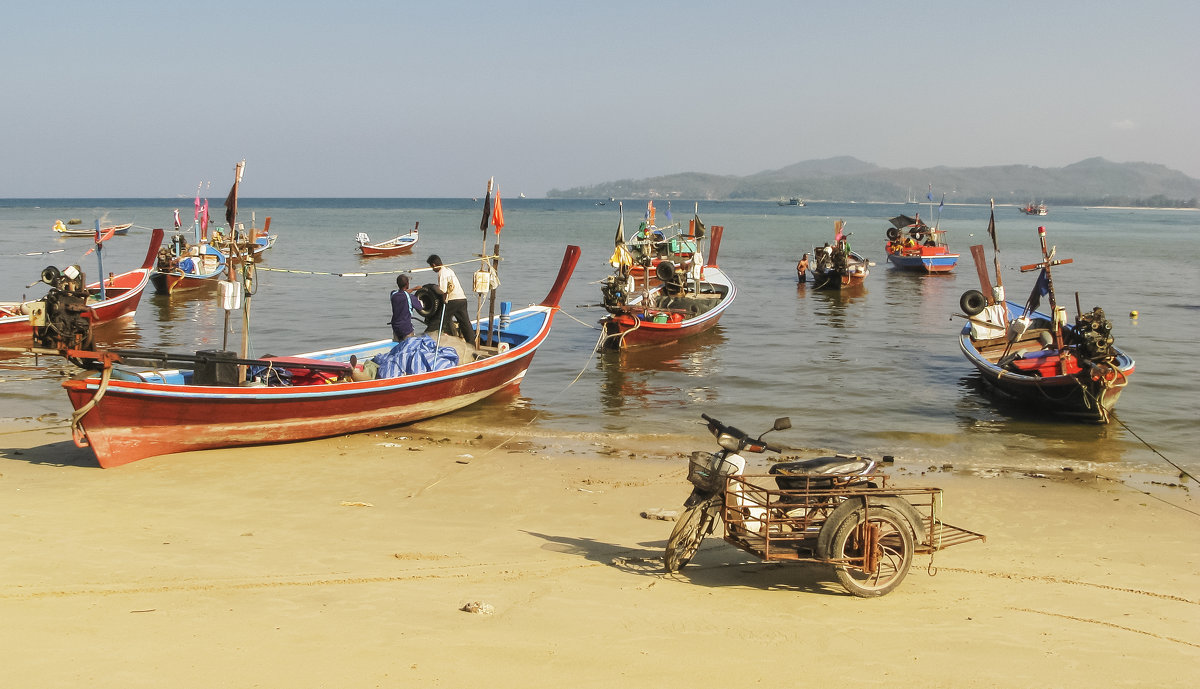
347,562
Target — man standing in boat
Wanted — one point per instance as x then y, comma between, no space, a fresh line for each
456,300
403,304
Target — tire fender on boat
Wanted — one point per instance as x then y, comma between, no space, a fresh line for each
972,302
431,300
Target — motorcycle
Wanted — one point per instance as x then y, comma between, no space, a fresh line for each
835,510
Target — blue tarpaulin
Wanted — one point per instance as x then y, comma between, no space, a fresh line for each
415,355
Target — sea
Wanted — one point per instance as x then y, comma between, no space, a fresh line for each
873,371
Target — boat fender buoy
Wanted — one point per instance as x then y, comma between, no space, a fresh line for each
972,302
431,300
893,233
502,347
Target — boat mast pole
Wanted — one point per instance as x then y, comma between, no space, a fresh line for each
995,254
483,259
1047,257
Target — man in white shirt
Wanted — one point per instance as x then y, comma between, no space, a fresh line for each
456,300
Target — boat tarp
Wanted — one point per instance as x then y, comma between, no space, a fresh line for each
415,355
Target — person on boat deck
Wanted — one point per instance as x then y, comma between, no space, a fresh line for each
455,308
802,268
403,303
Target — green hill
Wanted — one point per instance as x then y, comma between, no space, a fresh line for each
1091,182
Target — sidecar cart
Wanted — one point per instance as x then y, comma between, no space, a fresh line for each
867,531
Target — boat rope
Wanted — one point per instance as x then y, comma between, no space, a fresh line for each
586,325
363,274
77,432
550,404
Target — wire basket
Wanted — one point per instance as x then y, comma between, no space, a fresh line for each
707,471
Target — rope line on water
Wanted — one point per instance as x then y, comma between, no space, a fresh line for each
362,274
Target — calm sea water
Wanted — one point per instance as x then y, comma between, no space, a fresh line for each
873,371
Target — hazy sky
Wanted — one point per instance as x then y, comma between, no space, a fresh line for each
412,99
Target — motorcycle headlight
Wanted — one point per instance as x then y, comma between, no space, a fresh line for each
728,442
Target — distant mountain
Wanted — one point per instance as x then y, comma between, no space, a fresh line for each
1091,182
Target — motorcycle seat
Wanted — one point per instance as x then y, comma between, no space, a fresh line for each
820,472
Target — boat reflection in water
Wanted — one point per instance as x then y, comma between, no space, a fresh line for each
653,377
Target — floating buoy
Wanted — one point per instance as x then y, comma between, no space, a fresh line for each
1133,314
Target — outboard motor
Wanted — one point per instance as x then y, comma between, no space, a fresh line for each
615,290
1093,335
60,318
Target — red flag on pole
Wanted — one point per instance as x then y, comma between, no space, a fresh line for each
497,214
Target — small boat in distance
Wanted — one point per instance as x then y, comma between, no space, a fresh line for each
1034,209
837,266
912,245
1038,359
402,244
65,231
794,201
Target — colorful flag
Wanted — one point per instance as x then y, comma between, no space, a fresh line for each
837,231
929,194
196,215
992,225
106,236
177,218
697,227
650,212
497,214
943,203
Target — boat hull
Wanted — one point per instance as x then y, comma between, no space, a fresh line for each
153,413
393,247
924,263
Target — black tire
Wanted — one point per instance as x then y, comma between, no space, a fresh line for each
893,233
893,551
690,530
972,302
431,300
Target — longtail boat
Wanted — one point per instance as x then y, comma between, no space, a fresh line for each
66,231
106,300
1040,360
126,413
914,246
685,299
402,244
837,266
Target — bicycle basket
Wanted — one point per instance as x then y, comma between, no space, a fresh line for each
707,471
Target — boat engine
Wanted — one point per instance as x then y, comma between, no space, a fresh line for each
615,290
60,319
1093,335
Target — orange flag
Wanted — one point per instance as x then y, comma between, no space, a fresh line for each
497,214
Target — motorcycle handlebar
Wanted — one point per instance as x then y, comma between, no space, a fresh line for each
717,428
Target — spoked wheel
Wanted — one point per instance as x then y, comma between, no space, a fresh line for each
874,552
690,530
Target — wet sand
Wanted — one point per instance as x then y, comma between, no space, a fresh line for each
348,562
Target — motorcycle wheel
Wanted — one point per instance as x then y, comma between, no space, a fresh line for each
891,548
689,532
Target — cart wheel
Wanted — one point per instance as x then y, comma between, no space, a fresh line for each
689,531
879,551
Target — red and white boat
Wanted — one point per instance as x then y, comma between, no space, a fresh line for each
126,414
686,300
395,246
119,297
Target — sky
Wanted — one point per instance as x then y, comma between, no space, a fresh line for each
367,98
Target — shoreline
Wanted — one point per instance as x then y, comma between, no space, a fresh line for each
349,561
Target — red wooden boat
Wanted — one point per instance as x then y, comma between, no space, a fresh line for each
120,297
126,414
686,300
914,246
395,246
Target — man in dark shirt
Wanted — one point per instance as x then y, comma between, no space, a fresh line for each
403,303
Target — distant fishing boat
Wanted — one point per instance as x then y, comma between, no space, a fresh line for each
794,201
914,246
65,231
402,244
1034,209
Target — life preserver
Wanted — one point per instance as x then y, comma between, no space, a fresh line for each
431,300
972,302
